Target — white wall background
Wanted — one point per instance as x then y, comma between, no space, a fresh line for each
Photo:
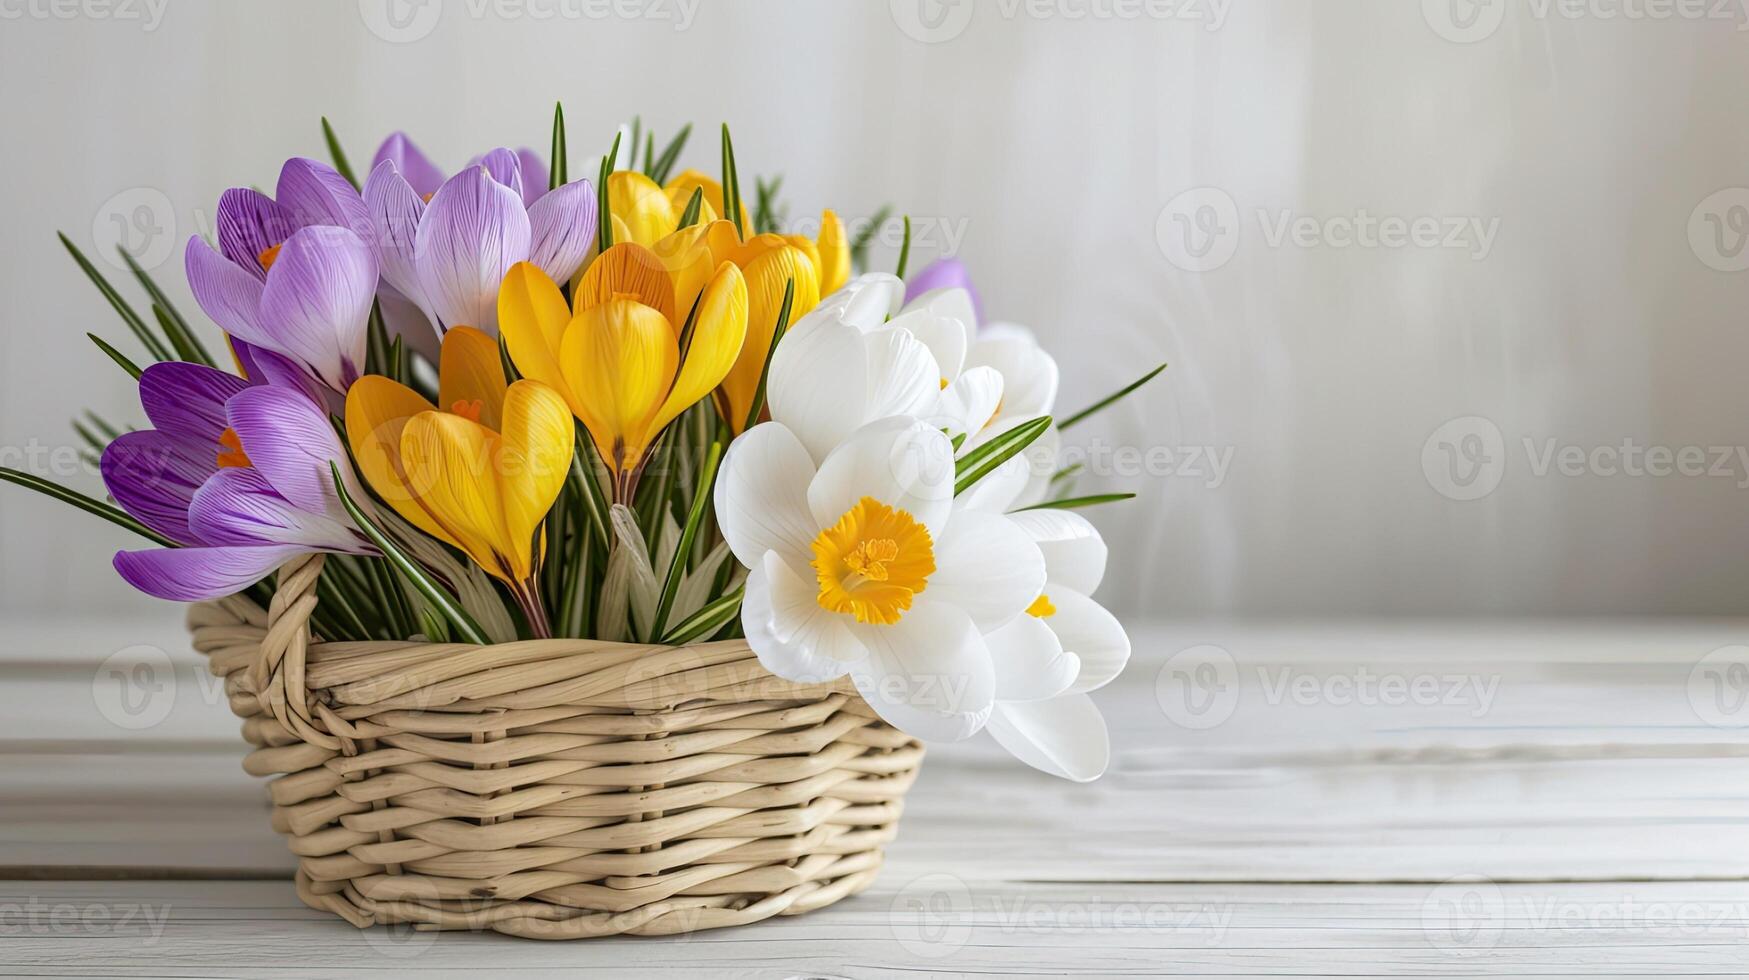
1053,142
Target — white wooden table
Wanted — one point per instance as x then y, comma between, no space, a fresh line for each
1531,798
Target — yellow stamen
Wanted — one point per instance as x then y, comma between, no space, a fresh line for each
267,257
1041,607
872,562
231,455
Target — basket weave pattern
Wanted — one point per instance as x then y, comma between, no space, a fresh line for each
553,789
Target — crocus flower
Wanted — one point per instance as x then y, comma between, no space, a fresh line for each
1044,717
479,473
238,475
829,251
447,249
616,356
862,566
311,305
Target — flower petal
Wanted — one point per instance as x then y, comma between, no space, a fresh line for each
947,274
718,332
929,675
187,401
474,230
238,507
470,377
504,166
153,477
986,565
866,302
313,193
762,496
970,402
643,210
249,223
793,637
316,305
818,385
1031,664
768,275
1029,374
630,270
410,162
905,379
1064,736
532,317
199,574
618,361
943,321
1093,634
377,410
900,462
562,229
225,291
396,209
535,177
534,459
833,246
292,444
450,464
1074,552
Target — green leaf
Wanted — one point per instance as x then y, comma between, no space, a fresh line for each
765,215
1073,503
336,153
905,249
1067,472
135,323
1110,399
103,425
434,594
603,212
92,439
559,158
864,238
376,355
694,204
107,511
984,460
707,478
126,365
789,295
181,336
594,500
732,184
649,151
714,616
670,154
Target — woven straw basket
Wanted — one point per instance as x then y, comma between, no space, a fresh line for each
553,789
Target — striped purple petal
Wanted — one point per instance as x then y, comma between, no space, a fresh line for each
225,291
534,175
187,401
199,574
238,507
154,476
395,209
473,232
312,193
562,229
412,164
505,167
291,444
315,307
249,223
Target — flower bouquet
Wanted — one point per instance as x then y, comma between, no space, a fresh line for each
588,558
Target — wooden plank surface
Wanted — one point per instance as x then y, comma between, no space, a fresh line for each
1320,784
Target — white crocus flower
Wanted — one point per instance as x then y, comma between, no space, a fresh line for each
1009,380
1060,732
862,566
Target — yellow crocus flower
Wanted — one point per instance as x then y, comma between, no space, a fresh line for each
481,471
769,262
680,190
640,209
615,356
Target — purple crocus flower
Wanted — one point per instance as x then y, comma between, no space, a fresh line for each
251,226
944,274
311,304
237,474
448,249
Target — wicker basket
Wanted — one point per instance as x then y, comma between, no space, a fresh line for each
553,789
